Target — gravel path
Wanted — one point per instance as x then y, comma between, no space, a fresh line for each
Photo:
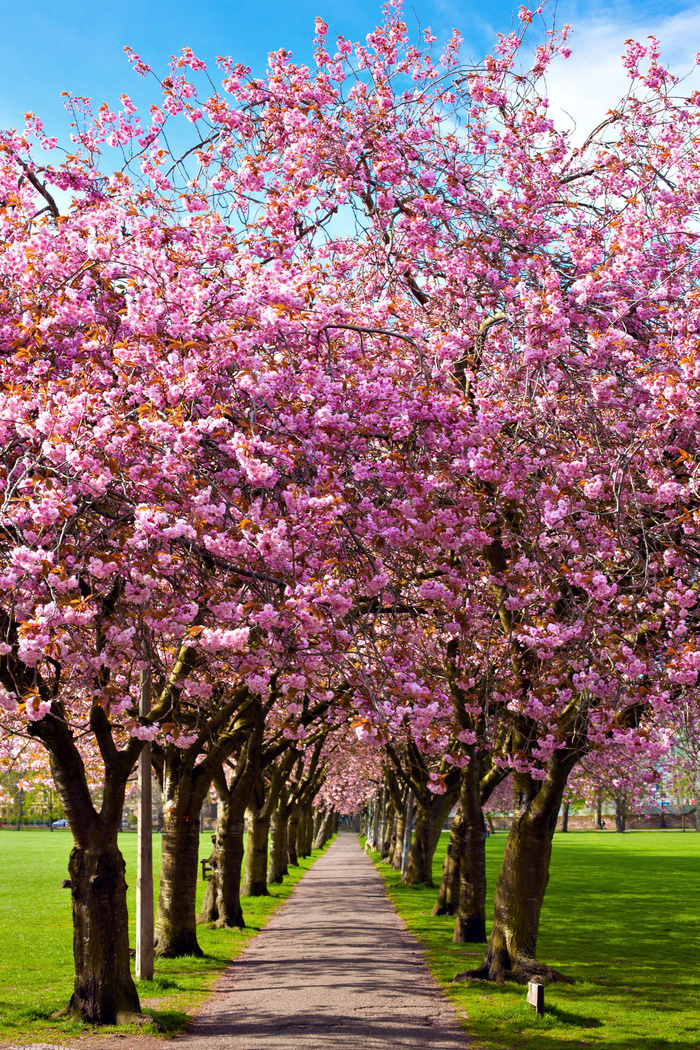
335,969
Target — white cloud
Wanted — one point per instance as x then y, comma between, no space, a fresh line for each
593,80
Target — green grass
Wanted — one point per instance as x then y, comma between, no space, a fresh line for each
36,938
621,916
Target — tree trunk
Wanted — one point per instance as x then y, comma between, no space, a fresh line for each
327,827
565,816
176,922
598,820
620,813
511,952
222,900
319,815
448,895
389,832
292,830
258,823
304,832
382,821
430,817
471,913
396,856
277,866
104,991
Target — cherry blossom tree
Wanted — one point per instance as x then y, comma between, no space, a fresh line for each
387,388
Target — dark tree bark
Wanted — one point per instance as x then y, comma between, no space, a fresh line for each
471,912
221,906
620,813
292,831
431,811
104,991
511,953
598,819
262,805
184,790
185,778
304,833
222,900
565,817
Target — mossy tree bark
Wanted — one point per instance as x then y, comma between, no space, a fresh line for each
390,832
325,830
262,805
104,991
318,815
277,865
431,812
222,899
184,792
185,779
448,894
511,952
292,831
257,830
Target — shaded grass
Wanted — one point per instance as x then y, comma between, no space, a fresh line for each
36,938
620,916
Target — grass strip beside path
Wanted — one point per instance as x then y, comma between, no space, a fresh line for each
620,916
36,939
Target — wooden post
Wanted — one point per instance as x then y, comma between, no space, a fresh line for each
535,996
407,832
144,863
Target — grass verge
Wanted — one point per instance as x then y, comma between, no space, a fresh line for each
620,916
36,939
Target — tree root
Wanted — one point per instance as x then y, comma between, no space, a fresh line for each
444,909
521,972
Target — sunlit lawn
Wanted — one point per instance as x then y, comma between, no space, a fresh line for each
36,938
621,916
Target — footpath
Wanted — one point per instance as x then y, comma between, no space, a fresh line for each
334,969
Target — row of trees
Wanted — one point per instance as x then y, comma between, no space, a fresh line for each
362,432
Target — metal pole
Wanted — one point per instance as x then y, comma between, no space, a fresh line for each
144,863
407,832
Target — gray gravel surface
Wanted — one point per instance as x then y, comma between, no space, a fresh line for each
335,969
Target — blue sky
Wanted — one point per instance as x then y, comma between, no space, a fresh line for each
48,47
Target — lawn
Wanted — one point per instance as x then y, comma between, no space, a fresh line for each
36,938
620,916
